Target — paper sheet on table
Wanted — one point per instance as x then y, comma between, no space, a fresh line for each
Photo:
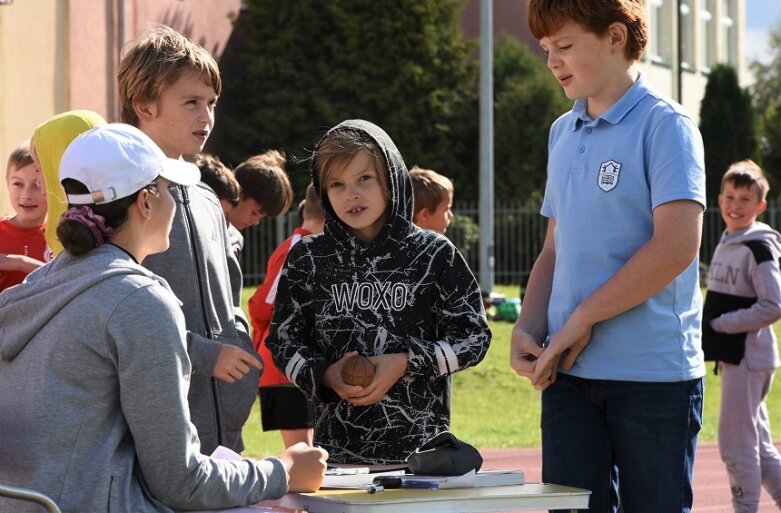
223,453
253,508
465,481
364,479
475,479
336,479
468,480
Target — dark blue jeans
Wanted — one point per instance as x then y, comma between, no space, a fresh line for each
626,439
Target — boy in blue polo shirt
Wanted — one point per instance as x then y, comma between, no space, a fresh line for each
615,289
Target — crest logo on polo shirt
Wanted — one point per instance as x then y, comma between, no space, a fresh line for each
608,175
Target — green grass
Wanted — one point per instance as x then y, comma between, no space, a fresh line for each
495,408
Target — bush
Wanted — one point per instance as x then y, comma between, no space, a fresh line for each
726,125
464,233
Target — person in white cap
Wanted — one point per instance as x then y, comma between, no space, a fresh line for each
94,371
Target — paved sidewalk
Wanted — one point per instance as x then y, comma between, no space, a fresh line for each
711,486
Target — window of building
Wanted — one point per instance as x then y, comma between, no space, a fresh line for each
662,37
688,46
729,32
709,34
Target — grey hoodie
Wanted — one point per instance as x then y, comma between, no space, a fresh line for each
198,266
744,298
94,375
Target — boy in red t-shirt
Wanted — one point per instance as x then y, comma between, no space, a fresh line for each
22,244
282,405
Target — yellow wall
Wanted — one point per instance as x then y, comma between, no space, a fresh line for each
58,55
30,92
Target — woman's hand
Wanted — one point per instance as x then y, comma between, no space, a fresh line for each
305,467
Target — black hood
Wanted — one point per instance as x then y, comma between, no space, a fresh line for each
400,207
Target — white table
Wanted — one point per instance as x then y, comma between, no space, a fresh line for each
529,496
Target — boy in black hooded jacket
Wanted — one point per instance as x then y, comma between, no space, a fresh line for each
375,284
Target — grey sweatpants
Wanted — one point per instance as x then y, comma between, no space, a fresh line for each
745,442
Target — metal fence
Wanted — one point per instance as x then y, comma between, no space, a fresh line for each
518,235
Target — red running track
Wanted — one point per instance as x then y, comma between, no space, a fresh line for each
711,486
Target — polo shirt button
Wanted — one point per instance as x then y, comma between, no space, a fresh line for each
588,130
582,149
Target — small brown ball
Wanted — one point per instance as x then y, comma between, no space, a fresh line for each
358,370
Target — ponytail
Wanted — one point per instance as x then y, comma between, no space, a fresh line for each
83,228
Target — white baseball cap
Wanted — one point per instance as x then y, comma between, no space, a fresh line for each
116,160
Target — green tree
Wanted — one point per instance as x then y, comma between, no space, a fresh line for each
527,100
301,67
767,102
726,124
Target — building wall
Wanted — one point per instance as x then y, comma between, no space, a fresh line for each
59,55
712,31
704,32
89,64
31,41
509,19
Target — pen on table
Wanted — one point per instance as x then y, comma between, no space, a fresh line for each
398,482
387,482
416,483
375,488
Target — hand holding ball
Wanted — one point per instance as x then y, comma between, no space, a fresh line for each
357,370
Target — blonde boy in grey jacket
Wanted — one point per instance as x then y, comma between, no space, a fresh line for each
168,88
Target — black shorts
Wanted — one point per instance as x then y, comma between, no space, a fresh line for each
284,407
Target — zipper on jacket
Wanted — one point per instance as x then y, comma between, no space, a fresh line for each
209,333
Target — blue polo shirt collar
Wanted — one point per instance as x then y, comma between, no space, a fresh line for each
615,113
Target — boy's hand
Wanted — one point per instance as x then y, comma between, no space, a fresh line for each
233,363
9,262
573,338
333,378
524,351
388,369
305,467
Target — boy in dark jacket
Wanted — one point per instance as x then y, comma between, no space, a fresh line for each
375,284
